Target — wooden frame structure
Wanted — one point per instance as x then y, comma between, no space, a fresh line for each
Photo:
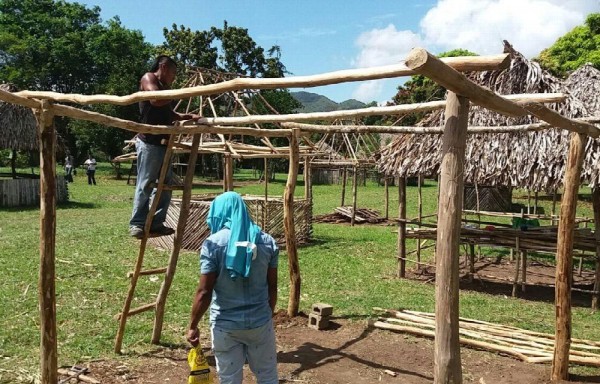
444,72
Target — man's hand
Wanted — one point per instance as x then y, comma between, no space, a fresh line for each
193,336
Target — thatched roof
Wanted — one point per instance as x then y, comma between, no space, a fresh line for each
584,84
18,128
534,160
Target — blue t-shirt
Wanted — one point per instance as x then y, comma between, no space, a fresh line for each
242,303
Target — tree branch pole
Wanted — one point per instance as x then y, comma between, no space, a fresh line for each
344,181
47,276
402,227
354,194
447,367
564,258
288,224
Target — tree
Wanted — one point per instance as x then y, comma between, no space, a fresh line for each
579,46
65,47
420,89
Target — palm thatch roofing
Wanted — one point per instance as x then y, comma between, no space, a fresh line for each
534,160
18,127
584,84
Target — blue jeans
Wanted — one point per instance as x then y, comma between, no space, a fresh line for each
233,348
149,161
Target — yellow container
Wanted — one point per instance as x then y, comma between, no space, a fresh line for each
199,370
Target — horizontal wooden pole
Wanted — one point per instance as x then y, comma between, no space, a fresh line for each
544,113
466,63
19,100
324,128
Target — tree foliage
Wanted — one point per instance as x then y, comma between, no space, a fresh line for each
579,46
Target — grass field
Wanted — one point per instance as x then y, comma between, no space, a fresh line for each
351,268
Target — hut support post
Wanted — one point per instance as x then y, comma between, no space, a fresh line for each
564,258
402,227
354,193
420,215
288,224
387,197
228,173
553,207
265,209
13,163
447,360
47,288
344,181
596,205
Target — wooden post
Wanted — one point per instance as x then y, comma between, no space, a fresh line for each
553,207
564,258
596,205
344,181
228,172
387,197
523,270
181,223
517,266
288,224
535,202
46,287
402,227
528,201
447,361
419,214
265,208
471,261
354,193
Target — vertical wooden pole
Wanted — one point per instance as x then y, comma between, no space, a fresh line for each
224,166
178,239
517,266
229,172
265,208
553,207
419,215
402,227
47,288
523,270
305,176
387,197
535,202
288,224
447,361
596,205
528,201
354,193
344,181
564,258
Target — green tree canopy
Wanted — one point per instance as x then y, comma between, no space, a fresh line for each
579,46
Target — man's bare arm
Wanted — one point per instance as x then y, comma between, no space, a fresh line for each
272,283
150,83
201,303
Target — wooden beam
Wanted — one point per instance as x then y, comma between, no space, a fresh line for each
177,241
556,119
401,227
47,276
288,224
447,360
564,258
596,207
467,63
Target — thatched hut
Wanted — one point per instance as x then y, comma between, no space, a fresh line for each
584,84
534,160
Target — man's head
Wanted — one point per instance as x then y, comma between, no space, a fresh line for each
165,69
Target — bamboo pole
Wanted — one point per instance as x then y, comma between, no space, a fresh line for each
344,181
354,194
467,63
288,224
596,207
178,239
47,276
447,368
564,258
401,227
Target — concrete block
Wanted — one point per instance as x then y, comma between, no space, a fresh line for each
317,322
322,309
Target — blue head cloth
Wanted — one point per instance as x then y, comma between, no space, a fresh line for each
228,210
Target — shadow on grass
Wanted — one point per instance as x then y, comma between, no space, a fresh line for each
311,356
584,378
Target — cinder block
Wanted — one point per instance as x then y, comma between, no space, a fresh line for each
317,322
322,309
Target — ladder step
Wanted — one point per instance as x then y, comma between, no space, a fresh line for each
168,187
155,271
135,311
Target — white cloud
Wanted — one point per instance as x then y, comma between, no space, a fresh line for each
368,91
384,46
480,26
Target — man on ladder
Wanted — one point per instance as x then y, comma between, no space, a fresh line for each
151,150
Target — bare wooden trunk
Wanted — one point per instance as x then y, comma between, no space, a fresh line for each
288,221
387,197
46,288
344,181
420,215
564,258
447,361
596,205
354,194
228,173
402,227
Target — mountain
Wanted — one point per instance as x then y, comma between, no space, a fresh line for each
313,102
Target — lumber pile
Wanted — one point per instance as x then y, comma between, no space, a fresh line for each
528,346
344,215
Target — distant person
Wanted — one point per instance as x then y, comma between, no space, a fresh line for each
90,164
69,167
238,280
151,150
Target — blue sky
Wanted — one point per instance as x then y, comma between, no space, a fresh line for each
328,35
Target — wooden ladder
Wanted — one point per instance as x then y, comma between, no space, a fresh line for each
169,271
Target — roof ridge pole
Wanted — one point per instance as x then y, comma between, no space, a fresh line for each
447,360
564,257
47,282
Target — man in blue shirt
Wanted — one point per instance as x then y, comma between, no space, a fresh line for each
238,280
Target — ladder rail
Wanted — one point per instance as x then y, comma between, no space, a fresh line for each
144,241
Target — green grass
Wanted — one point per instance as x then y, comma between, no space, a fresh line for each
351,268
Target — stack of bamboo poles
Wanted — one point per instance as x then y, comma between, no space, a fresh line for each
529,346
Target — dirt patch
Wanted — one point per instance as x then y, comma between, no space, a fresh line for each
349,352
